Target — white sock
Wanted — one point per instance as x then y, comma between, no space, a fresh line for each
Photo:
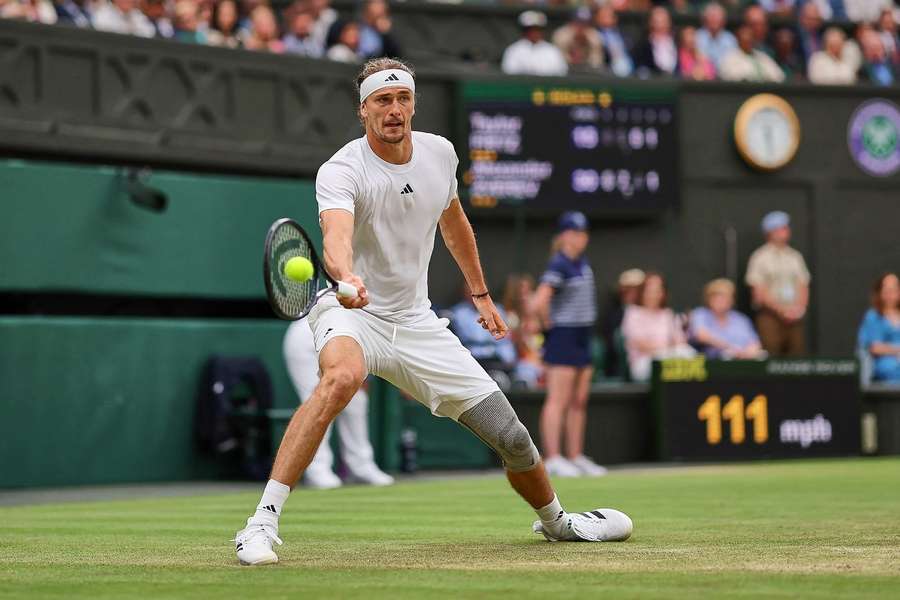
553,517
269,509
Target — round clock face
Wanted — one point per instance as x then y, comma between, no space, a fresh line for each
770,137
767,132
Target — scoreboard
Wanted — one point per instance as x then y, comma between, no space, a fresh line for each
546,148
780,408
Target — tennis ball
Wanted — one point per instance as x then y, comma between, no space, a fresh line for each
298,269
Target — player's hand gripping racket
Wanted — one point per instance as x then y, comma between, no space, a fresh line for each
293,298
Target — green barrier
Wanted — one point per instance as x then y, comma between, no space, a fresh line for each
89,401
74,228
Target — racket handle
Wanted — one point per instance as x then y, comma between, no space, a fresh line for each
347,290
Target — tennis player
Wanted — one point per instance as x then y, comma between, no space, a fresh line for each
381,200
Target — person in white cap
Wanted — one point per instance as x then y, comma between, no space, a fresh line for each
532,54
352,423
382,198
779,278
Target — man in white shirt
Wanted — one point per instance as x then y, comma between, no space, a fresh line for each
532,54
381,199
123,16
830,66
746,63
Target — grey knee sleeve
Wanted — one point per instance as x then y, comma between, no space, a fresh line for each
495,422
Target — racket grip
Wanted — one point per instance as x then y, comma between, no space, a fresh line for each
347,290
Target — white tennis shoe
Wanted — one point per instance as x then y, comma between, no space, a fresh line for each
253,544
587,467
321,479
559,466
601,525
370,474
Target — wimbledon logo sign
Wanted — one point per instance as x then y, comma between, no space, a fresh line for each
874,137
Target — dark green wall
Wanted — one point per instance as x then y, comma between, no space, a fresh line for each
112,400
73,228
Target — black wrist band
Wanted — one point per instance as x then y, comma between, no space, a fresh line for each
481,295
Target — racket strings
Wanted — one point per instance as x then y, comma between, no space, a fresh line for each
292,297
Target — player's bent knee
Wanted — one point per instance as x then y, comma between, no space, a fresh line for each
341,383
495,422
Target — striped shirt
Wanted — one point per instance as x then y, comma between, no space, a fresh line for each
574,302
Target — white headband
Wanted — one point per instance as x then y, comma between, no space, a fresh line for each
383,79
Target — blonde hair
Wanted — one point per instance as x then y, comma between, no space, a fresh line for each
718,286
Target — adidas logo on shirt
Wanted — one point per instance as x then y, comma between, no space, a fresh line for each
406,190
392,77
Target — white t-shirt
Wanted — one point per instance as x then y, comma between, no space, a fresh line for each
396,210
525,58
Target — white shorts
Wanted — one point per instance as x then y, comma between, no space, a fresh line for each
424,359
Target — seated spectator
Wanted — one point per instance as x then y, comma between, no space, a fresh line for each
323,18
72,12
657,54
809,31
713,40
875,68
853,48
532,55
829,66
779,8
489,352
122,16
343,42
33,11
629,287
300,39
879,333
187,16
375,38
778,276
223,30
263,33
652,330
525,330
615,46
580,43
887,31
718,330
746,63
786,55
866,11
830,10
156,13
756,19
692,64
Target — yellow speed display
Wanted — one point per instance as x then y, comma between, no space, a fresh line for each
710,410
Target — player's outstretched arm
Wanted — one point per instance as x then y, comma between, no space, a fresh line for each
337,241
460,240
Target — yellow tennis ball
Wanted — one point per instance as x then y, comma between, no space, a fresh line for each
299,269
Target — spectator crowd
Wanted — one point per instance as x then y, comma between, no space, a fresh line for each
809,42
732,40
555,322
305,27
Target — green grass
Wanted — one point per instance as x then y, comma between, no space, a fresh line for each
820,529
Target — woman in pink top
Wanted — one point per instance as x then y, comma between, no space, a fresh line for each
652,330
693,64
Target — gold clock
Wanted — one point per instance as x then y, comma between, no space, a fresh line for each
767,132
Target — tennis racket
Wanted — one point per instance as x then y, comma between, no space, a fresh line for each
292,299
